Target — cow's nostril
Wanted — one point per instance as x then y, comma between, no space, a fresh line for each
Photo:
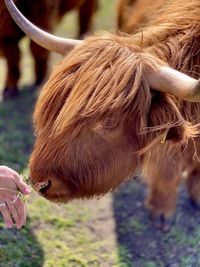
44,187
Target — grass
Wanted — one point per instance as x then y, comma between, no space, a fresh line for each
111,232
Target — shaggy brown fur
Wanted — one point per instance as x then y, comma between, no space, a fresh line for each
132,15
174,36
97,119
44,13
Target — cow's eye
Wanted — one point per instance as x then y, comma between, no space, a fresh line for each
110,124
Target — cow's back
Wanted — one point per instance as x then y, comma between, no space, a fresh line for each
134,14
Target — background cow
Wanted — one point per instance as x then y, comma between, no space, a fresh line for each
132,15
46,14
98,117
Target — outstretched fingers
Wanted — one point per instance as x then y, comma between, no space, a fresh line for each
6,214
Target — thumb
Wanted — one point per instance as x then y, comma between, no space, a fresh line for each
22,186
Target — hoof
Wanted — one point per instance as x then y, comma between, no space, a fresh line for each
161,222
10,92
195,204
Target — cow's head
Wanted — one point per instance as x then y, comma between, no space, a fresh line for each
97,114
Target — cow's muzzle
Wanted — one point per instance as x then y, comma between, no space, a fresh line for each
42,187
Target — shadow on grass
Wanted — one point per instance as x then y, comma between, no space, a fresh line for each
142,245
18,247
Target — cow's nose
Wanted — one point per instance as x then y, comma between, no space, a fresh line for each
42,187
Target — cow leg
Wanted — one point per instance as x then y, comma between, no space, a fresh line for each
12,54
193,186
41,62
86,12
162,196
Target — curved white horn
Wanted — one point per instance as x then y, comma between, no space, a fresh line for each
175,83
42,38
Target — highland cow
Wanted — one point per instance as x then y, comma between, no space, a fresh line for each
118,102
46,14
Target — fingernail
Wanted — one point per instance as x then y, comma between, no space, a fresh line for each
9,225
27,190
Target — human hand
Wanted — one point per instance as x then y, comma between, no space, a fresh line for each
11,205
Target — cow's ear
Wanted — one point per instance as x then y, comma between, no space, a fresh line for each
164,117
176,134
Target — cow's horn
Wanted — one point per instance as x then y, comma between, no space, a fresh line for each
175,83
42,38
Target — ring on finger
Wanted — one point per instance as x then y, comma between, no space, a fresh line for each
2,204
15,199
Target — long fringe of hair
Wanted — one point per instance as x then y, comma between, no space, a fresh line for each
107,80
